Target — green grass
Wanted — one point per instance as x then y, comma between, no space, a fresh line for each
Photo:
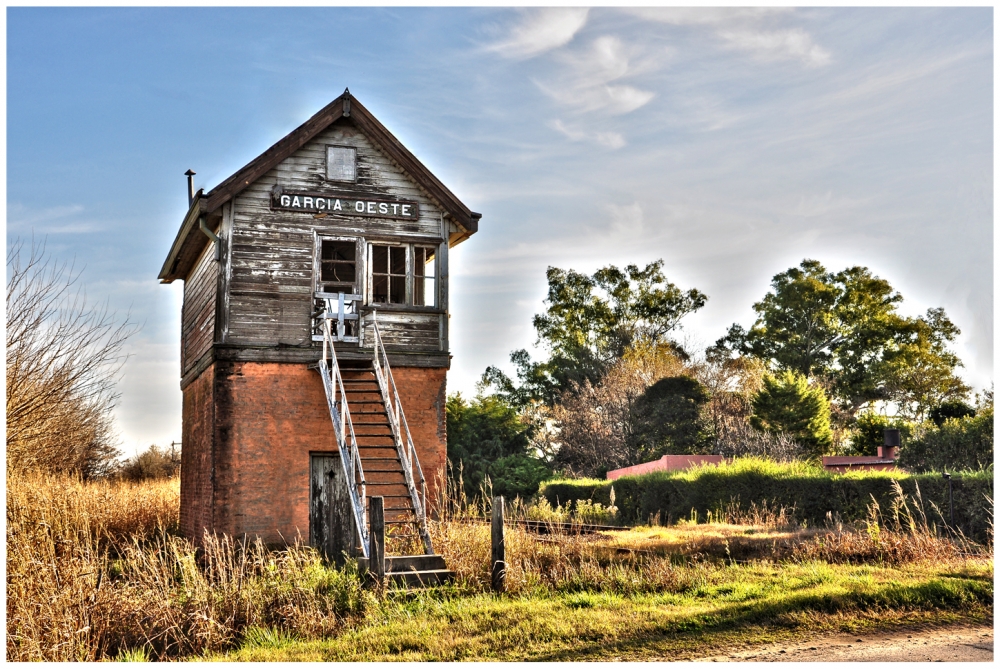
713,606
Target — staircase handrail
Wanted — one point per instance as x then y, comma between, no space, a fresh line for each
347,443
397,419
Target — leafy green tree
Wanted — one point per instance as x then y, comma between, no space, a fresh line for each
671,417
589,323
959,443
518,475
786,404
487,438
953,409
845,327
869,431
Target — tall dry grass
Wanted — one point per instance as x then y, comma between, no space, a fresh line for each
94,572
903,533
553,563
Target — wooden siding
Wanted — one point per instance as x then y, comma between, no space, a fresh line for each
198,312
270,270
409,330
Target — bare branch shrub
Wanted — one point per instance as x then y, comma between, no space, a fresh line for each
595,422
63,359
732,384
156,462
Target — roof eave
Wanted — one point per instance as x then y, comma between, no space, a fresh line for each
168,273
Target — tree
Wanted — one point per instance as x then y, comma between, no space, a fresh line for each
786,404
671,417
869,431
845,328
959,443
953,409
589,323
486,437
518,475
596,423
63,359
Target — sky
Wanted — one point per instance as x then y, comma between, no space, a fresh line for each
732,144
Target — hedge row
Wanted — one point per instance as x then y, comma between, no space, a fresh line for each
812,491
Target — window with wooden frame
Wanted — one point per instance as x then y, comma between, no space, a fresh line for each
403,274
388,267
336,271
337,266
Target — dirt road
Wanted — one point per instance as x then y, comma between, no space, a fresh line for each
948,644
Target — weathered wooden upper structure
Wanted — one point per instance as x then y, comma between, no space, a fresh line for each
250,298
338,207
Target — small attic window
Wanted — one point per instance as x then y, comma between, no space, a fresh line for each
340,163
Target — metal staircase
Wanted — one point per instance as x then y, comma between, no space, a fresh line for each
375,445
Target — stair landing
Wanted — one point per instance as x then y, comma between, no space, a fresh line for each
414,571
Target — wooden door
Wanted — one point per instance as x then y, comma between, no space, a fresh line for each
331,518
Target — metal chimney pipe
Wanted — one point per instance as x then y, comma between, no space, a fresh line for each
190,175
890,439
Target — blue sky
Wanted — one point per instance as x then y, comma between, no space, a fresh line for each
730,143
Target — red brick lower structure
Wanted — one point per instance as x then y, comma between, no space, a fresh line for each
249,429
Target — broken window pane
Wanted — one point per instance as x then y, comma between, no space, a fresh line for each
337,267
424,293
337,274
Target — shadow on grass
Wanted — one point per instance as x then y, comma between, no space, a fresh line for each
706,630
969,577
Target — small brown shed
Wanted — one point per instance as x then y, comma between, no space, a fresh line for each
314,334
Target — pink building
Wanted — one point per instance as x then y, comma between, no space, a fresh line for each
667,463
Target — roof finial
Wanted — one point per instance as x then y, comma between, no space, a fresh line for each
347,92
347,101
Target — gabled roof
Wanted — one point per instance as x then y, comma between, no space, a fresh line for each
189,241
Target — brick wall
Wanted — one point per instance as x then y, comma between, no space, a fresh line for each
268,418
422,390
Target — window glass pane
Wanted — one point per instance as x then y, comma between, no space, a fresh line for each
397,260
397,292
418,291
380,288
380,259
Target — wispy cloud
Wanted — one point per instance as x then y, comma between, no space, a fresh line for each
751,30
612,140
55,220
587,80
794,44
541,30
705,16
626,219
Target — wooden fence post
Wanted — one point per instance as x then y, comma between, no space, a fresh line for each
376,539
498,559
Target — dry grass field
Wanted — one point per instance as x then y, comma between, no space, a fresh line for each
96,571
